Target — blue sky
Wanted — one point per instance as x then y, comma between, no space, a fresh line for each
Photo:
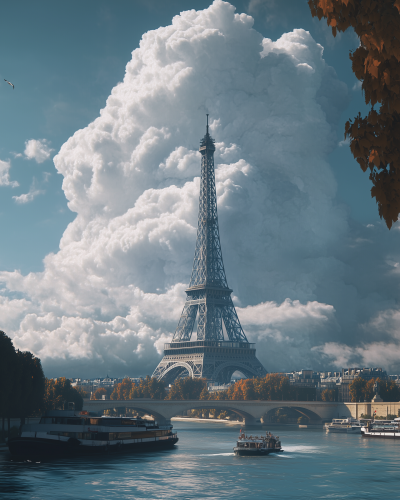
64,65
64,60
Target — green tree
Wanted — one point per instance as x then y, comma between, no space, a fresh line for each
329,395
187,388
82,392
357,390
23,395
249,389
278,386
59,392
122,390
369,390
388,390
272,387
235,391
204,395
99,393
218,395
30,386
8,360
150,387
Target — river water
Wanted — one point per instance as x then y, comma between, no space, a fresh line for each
314,465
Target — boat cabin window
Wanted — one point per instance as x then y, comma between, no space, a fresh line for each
46,420
62,420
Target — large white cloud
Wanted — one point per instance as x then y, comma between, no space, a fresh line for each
114,292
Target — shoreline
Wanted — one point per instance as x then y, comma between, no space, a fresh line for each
218,420
237,422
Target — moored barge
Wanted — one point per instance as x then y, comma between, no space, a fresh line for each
74,433
344,425
389,429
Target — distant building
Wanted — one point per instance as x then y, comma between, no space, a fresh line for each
304,378
91,385
350,374
395,378
215,386
329,381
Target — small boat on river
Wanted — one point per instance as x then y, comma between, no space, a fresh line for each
76,433
389,429
260,446
344,425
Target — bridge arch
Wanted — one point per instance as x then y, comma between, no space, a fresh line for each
290,414
110,405
176,407
252,411
215,404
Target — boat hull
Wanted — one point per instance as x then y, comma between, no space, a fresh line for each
344,430
384,435
31,448
259,452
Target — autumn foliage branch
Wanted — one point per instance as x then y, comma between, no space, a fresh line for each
374,139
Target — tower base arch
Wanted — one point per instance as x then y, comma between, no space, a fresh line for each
213,360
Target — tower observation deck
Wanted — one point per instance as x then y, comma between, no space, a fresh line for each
208,299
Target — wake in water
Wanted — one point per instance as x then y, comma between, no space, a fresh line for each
216,455
304,449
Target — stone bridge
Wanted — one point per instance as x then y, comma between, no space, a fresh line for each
251,411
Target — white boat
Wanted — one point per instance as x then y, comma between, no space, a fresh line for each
382,429
254,445
67,433
345,425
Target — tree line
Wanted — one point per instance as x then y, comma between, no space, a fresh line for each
271,387
25,391
363,390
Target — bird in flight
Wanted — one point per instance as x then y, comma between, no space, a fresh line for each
9,83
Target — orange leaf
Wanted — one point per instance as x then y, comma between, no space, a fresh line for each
326,6
372,70
374,158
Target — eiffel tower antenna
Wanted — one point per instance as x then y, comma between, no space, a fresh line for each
208,298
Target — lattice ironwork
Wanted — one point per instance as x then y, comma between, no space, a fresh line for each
208,297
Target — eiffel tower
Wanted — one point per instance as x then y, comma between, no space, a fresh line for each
208,299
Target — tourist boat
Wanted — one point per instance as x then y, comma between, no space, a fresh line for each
67,433
254,445
382,429
346,425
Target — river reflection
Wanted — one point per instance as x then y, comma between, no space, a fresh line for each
314,465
